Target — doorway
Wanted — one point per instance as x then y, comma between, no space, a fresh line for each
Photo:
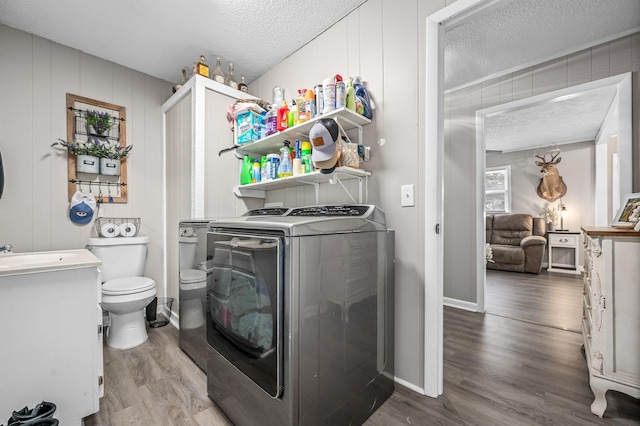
598,110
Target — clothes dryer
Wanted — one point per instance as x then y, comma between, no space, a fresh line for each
299,316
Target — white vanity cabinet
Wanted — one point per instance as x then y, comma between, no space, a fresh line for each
611,312
51,333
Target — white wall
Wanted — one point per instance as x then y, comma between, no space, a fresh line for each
608,59
577,169
383,42
35,76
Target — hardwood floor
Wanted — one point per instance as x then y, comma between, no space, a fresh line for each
497,371
551,299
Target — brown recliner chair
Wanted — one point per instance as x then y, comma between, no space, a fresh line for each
517,242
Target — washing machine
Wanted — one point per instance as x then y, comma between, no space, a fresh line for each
299,316
193,268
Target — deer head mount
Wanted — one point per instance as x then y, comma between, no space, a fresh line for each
551,186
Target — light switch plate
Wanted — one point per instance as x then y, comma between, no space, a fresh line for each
406,194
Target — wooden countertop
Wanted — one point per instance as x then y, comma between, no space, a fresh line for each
606,231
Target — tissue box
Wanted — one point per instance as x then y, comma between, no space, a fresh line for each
247,127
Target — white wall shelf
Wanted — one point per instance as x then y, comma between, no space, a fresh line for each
258,190
348,119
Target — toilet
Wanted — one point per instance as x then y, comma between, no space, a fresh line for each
193,283
125,292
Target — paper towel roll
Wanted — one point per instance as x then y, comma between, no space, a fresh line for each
128,230
109,230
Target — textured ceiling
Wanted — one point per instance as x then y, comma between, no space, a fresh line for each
160,37
573,118
513,34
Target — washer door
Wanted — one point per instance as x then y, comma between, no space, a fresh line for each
244,305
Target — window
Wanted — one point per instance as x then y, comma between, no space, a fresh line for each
497,190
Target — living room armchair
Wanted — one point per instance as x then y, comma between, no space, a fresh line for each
517,242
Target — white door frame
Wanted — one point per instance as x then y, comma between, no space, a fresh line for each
433,191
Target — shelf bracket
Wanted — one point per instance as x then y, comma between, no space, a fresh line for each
335,178
354,124
316,187
249,193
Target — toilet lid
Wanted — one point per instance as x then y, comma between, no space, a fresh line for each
129,285
192,276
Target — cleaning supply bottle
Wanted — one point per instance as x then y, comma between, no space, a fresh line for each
283,116
245,172
351,95
341,92
285,169
255,172
264,168
302,104
272,121
310,99
305,154
363,96
292,115
329,94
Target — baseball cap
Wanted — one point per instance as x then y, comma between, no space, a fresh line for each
81,208
325,137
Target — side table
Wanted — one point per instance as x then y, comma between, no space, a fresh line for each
560,241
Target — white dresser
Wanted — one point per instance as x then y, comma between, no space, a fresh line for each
611,312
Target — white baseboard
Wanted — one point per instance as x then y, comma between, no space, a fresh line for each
460,304
410,386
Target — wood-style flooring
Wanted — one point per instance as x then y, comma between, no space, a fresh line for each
497,371
551,299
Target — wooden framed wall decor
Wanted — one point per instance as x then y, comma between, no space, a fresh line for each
107,188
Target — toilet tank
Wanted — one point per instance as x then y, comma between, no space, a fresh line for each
187,250
121,257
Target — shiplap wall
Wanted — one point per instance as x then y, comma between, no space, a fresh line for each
609,59
380,41
35,76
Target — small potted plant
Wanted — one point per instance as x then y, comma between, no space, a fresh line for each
551,215
86,152
98,123
111,155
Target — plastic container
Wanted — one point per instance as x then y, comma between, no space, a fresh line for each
363,96
245,172
310,99
341,92
329,94
283,117
350,95
285,169
271,125
255,172
319,93
273,164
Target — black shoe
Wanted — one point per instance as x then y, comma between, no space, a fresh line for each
41,421
42,410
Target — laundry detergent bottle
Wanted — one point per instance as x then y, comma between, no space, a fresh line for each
362,96
245,172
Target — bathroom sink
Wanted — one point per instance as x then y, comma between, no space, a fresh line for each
29,263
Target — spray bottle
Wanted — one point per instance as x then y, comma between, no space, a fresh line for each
285,169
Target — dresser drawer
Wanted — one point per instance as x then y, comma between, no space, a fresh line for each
568,240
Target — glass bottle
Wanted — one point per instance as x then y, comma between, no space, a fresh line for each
231,79
218,75
202,68
243,86
182,83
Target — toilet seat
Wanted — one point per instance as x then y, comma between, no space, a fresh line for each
192,279
124,286
192,276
